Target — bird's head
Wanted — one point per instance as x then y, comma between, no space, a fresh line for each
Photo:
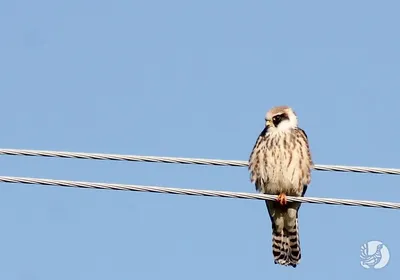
280,118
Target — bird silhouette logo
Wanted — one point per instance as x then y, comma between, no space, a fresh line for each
374,254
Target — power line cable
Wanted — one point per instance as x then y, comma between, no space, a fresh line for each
194,192
179,160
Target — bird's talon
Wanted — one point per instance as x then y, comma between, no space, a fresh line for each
282,199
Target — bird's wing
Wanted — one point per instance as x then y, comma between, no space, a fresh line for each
367,259
306,159
257,158
364,251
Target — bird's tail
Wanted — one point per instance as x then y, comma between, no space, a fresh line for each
286,246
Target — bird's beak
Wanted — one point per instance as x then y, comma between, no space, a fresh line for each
268,123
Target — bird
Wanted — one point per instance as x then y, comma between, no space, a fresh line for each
371,260
280,164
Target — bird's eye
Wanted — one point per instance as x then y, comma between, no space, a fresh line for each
276,120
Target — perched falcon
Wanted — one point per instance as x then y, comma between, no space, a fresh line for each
280,164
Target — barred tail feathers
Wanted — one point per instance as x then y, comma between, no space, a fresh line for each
286,246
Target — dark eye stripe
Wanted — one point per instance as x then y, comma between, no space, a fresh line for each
277,119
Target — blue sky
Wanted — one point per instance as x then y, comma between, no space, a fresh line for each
192,79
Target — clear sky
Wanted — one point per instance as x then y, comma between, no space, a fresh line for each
192,79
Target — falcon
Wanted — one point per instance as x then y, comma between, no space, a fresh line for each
280,164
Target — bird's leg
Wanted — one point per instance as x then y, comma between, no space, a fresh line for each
282,199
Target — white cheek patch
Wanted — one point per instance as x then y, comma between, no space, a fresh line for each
285,125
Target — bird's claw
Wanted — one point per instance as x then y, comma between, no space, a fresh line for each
282,199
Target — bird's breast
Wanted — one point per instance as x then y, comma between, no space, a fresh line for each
282,165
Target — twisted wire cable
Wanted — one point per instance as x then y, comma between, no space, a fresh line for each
198,161
194,192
